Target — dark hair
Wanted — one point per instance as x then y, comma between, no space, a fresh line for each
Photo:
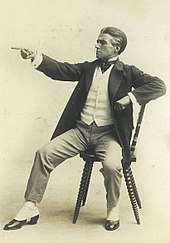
119,37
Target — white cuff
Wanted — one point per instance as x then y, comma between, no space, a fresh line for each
132,97
38,60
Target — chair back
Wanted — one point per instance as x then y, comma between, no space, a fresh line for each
136,134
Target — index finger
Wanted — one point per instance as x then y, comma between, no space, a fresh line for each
17,48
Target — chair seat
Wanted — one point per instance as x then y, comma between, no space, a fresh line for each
89,156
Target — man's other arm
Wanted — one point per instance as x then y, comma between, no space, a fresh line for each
146,87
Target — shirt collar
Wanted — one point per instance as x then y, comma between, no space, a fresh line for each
113,59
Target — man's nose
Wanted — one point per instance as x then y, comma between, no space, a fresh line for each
97,46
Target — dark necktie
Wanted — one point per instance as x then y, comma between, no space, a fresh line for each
105,65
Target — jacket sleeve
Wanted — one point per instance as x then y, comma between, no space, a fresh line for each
146,87
61,71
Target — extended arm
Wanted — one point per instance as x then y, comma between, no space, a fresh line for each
52,68
61,71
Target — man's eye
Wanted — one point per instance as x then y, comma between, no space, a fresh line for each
102,42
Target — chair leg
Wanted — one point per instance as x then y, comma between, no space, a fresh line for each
135,189
83,189
87,182
129,185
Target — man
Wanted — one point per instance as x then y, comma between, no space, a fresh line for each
98,116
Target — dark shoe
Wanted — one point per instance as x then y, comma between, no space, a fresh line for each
111,225
15,224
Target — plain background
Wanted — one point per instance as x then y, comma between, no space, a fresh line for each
31,104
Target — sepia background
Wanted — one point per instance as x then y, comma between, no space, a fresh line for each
31,104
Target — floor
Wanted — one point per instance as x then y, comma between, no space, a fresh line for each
56,209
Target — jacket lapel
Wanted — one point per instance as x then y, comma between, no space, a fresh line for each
89,74
115,79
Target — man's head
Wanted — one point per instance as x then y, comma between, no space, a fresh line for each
110,43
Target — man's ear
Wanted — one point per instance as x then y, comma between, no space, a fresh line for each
117,48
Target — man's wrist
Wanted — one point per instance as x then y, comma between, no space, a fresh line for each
37,60
132,98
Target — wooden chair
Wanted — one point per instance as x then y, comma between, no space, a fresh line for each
89,157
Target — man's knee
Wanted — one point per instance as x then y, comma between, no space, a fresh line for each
112,162
45,154
50,156
111,168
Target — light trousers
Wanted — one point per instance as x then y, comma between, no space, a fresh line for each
101,139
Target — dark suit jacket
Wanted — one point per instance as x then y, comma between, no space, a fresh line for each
123,79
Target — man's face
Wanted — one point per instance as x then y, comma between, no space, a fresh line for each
105,48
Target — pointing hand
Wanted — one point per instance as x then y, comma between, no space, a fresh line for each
26,53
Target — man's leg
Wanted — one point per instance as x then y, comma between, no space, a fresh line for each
110,154
46,160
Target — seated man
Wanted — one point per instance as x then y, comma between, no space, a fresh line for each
98,116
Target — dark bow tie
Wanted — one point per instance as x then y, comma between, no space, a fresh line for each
104,65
